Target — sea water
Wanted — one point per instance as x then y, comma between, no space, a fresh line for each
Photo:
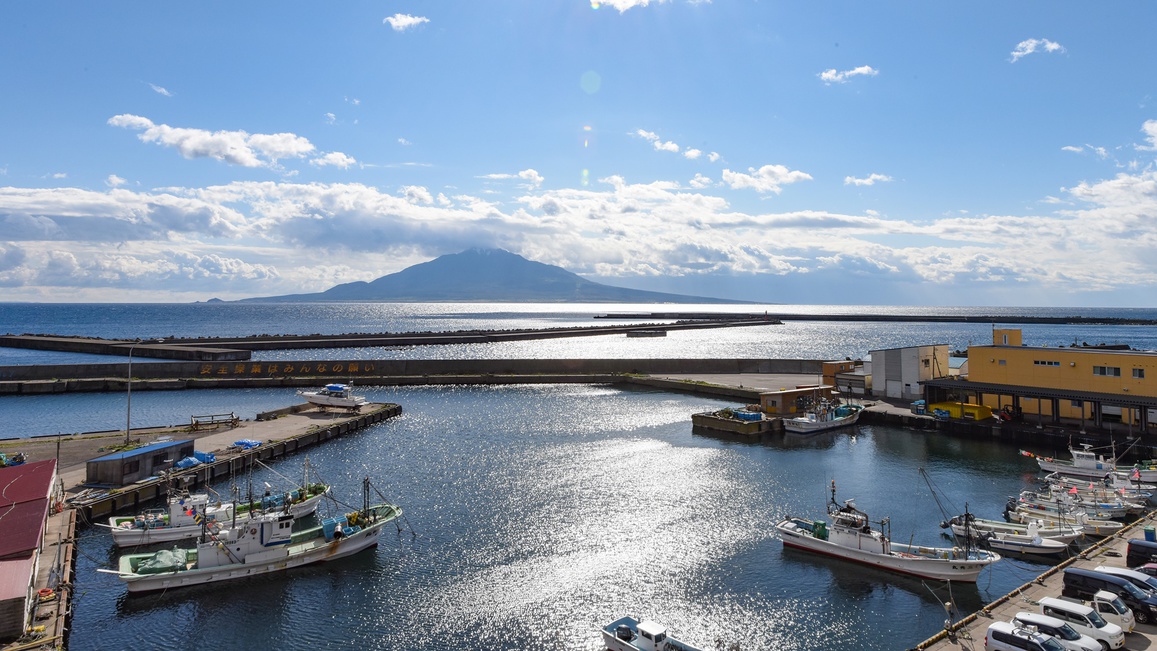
536,514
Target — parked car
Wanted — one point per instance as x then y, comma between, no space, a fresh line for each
1085,621
1139,579
1005,636
1083,584
1065,634
1111,607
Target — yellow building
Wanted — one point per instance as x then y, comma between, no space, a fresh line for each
1092,384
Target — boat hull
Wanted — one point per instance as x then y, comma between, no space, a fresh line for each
903,559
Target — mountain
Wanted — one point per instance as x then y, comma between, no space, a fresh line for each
486,275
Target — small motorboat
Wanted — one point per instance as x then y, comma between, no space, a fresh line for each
630,634
334,395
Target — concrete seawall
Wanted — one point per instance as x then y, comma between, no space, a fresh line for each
21,380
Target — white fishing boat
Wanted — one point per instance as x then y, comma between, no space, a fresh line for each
1090,526
1085,463
822,417
630,634
980,526
1071,501
1112,486
263,544
183,518
852,537
1029,543
334,395
180,519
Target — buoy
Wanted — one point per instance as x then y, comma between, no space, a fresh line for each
46,593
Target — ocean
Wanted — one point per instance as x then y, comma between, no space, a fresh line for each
536,514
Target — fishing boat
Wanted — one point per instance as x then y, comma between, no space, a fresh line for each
262,544
822,417
630,634
334,395
1089,526
1085,463
1029,543
1071,501
182,518
1113,485
852,537
981,526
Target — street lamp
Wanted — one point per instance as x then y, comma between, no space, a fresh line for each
129,390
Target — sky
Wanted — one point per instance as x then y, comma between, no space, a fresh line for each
855,152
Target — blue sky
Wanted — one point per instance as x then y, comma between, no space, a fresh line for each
907,153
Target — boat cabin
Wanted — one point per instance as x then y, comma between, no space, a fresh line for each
652,635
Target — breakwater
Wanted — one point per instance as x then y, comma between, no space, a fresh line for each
886,318
240,348
64,378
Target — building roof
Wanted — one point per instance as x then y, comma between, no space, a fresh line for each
26,482
23,525
141,451
1123,399
15,575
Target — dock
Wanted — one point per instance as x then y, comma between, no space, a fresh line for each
281,433
968,633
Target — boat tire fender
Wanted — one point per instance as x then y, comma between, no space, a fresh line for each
253,531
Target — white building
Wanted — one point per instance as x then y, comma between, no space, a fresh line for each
897,372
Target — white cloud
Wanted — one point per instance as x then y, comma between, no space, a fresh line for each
114,181
872,179
160,90
700,181
713,156
623,5
1149,128
1072,148
666,146
832,76
417,194
404,142
235,147
657,142
692,154
60,175
532,177
769,178
330,118
402,22
334,159
1027,47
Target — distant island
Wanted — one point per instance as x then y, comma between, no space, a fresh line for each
487,275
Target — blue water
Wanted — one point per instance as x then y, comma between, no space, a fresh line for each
536,514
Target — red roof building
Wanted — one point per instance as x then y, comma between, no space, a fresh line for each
27,493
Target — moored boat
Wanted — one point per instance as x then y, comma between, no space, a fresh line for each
1085,463
823,417
263,544
1090,526
630,634
334,395
852,537
981,526
1029,543
183,517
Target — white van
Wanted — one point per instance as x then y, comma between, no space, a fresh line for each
1004,636
1065,634
1111,607
1085,620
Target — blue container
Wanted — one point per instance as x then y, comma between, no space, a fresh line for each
1150,534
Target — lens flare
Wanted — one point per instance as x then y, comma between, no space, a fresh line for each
586,179
590,82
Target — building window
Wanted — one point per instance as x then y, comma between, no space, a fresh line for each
927,363
131,466
1110,371
1039,362
1076,404
1000,363
1138,374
